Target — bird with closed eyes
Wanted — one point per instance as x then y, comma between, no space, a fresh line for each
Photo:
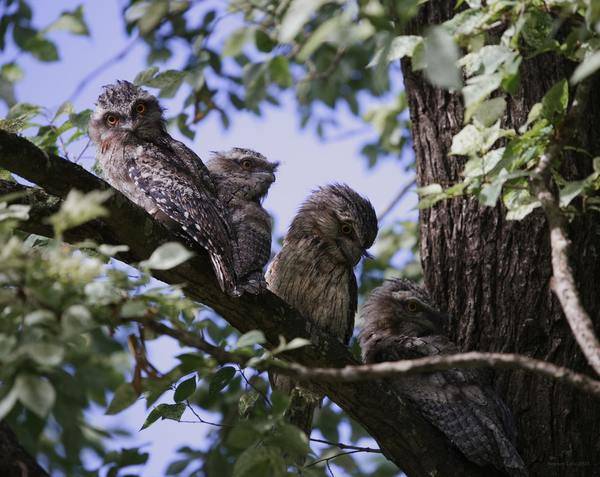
139,158
243,178
401,322
314,273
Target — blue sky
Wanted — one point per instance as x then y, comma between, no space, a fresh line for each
306,162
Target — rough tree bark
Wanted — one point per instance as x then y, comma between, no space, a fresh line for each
15,461
493,275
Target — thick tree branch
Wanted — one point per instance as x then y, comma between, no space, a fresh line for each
413,444
15,461
563,281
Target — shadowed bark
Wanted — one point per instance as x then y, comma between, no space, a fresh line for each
493,275
15,461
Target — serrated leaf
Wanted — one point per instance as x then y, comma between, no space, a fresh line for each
185,389
124,397
251,338
36,393
167,256
164,411
221,379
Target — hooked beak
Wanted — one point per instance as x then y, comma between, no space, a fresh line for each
367,255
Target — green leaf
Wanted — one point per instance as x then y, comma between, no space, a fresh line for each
167,256
72,22
79,208
185,389
263,41
570,191
168,82
290,439
221,379
399,47
261,460
468,141
554,103
36,393
8,402
589,66
143,77
45,354
124,397
243,435
251,338
279,69
477,89
490,111
296,16
235,42
164,411
441,56
152,13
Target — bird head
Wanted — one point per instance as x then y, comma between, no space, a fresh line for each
403,308
341,219
247,172
124,109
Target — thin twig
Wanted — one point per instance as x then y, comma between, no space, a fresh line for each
104,66
389,369
327,459
563,280
342,446
202,421
399,196
260,393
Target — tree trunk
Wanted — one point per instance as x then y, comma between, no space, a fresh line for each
14,459
493,275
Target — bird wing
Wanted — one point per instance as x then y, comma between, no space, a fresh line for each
459,402
187,199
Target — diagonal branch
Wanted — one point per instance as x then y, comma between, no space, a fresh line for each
388,369
563,281
404,437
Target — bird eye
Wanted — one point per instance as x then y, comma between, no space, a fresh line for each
111,120
140,108
346,229
247,164
412,306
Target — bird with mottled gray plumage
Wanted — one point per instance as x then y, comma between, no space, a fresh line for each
401,322
243,178
314,273
140,159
